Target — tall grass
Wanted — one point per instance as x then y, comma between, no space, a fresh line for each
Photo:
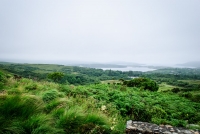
40,124
76,120
46,109
21,114
19,106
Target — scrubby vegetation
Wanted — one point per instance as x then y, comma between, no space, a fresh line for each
72,74
51,106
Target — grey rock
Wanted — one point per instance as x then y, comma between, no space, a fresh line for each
166,132
140,129
186,132
129,122
155,129
178,130
134,127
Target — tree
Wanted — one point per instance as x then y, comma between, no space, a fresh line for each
56,76
144,83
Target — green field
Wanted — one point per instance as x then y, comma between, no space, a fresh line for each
191,81
165,87
110,81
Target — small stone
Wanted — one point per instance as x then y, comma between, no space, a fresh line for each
178,130
135,125
129,122
140,129
155,129
192,131
186,131
168,126
160,128
131,127
166,132
148,130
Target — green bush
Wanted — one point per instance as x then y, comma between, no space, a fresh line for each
65,88
147,106
57,103
2,80
143,83
1,85
196,98
50,95
32,86
175,90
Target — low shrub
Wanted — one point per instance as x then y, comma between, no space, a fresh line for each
2,80
175,90
50,95
31,87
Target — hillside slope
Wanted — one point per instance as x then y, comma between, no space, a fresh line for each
28,106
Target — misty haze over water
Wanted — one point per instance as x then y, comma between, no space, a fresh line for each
142,69
145,32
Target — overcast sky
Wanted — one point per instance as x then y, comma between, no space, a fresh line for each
139,31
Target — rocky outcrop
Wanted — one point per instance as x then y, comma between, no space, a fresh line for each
137,127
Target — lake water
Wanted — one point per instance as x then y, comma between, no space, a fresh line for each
142,69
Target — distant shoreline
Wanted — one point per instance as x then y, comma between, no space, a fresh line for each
128,68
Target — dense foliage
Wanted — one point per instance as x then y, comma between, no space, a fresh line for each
38,105
73,74
56,76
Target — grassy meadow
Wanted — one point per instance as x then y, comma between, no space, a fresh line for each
42,106
191,81
166,87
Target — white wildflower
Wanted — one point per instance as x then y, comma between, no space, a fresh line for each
103,107
112,127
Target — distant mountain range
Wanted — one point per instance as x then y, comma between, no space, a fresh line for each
190,64
114,64
101,65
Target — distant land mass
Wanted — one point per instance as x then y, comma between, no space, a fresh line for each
190,64
100,65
